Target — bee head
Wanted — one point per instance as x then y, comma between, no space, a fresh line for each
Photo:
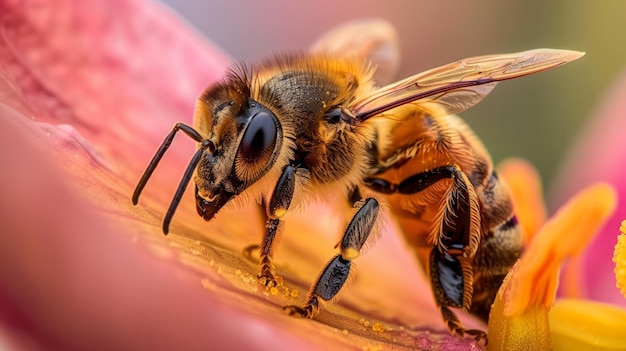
242,144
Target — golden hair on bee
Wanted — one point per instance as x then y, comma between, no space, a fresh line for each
307,87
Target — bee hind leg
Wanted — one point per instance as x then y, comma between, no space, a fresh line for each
456,327
456,236
336,272
448,284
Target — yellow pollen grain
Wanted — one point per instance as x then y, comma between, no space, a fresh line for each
619,257
294,293
280,212
273,291
378,327
350,253
344,332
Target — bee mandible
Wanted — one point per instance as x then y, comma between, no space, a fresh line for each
299,124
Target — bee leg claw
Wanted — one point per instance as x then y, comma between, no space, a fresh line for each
270,281
456,328
308,311
296,311
267,277
478,335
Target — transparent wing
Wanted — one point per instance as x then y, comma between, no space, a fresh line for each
457,86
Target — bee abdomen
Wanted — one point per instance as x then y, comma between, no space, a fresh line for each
498,251
495,201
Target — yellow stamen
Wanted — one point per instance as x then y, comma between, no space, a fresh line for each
528,331
619,257
587,325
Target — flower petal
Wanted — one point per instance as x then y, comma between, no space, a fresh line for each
598,156
119,71
529,330
587,325
565,235
92,85
526,194
519,316
70,281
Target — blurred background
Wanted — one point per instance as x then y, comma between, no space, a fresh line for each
537,118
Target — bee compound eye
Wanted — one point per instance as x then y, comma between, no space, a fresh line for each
259,138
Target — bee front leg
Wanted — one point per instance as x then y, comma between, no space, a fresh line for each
276,208
336,272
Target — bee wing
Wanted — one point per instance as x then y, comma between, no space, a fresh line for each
458,86
373,40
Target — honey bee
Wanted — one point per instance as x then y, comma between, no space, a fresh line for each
317,124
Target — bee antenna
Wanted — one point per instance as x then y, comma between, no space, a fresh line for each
183,185
159,154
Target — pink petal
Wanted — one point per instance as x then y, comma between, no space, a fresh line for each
88,90
599,156
121,72
69,282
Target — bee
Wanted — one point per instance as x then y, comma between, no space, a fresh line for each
294,125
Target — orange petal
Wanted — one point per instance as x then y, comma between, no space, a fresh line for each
565,235
525,185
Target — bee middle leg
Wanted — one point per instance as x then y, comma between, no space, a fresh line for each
335,274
